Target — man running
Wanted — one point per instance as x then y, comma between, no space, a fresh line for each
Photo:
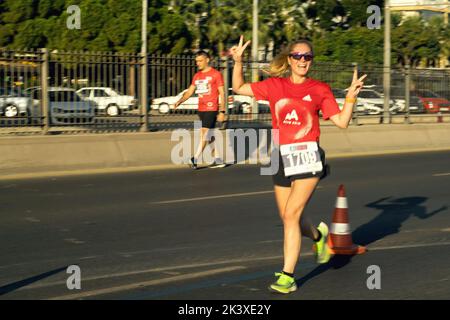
208,84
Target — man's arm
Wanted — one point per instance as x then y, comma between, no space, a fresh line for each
221,99
190,91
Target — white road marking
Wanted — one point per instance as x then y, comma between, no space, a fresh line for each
215,197
245,194
88,258
210,264
410,246
148,283
441,174
160,269
74,241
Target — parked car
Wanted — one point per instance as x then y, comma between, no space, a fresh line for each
108,100
65,106
369,102
236,103
243,104
340,94
397,94
14,103
432,102
165,105
374,102
443,93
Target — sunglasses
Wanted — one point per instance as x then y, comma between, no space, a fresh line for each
298,56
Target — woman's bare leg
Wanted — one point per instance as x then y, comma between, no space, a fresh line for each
301,191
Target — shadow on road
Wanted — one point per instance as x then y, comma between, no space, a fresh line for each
389,221
23,283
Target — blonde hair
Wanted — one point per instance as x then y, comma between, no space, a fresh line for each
280,65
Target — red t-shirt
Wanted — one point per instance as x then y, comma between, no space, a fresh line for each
295,107
206,86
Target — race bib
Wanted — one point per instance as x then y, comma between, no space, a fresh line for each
300,158
202,86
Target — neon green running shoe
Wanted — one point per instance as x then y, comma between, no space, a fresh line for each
322,251
284,284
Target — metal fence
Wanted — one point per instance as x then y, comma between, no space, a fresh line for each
58,91
46,92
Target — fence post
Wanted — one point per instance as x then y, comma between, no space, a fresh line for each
144,94
255,78
407,93
224,64
354,110
225,80
44,92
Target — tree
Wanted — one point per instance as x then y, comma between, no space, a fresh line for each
223,25
285,21
356,11
327,14
413,41
357,44
18,11
170,34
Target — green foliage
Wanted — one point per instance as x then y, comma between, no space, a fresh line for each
415,40
337,28
359,45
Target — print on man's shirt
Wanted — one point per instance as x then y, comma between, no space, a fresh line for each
203,87
295,119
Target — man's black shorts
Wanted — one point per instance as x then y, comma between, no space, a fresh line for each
280,179
208,119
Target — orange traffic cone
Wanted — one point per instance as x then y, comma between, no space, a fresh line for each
340,237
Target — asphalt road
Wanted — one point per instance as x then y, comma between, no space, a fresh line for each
216,234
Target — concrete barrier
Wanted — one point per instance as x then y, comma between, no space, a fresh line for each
28,155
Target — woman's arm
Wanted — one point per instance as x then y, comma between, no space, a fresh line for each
239,86
342,119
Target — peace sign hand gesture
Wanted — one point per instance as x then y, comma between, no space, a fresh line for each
237,51
356,85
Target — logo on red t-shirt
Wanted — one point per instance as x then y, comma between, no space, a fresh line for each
291,116
297,119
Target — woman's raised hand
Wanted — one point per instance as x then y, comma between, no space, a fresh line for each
237,51
356,85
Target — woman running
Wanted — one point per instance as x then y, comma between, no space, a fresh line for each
295,101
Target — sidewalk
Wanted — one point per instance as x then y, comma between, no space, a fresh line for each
22,156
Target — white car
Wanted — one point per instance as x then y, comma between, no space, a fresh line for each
370,102
240,103
166,104
243,104
14,103
360,107
108,100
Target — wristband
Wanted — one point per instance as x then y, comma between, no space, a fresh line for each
350,100
222,111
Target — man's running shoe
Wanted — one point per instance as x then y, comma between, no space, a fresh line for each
284,284
218,163
322,251
193,163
